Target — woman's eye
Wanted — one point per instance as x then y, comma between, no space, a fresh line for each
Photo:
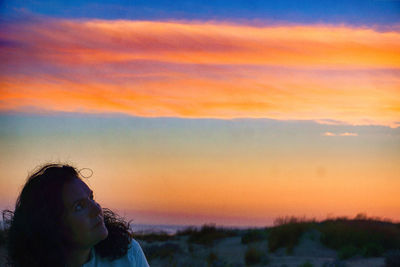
79,207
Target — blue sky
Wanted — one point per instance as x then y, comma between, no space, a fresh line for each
357,12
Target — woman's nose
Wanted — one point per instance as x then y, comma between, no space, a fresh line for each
96,208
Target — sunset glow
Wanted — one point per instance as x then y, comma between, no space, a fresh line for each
210,119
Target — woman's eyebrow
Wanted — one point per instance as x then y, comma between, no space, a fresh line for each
80,199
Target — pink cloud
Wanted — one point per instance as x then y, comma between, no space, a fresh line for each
324,73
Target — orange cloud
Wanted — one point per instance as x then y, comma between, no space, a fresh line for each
322,73
340,134
348,134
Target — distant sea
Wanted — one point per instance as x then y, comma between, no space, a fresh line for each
156,228
147,228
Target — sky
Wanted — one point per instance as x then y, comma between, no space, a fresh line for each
193,112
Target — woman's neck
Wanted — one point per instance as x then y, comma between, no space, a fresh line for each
77,257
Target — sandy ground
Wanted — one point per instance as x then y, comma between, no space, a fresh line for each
230,252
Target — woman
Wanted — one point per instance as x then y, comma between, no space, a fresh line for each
57,222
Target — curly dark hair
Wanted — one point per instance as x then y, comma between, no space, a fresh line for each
35,236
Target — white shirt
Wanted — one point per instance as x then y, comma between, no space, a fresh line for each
133,258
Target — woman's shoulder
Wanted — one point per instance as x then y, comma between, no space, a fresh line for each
133,258
135,253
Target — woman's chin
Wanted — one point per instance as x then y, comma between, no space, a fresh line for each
101,232
104,232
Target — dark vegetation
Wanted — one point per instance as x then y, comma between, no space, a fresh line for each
253,256
360,236
207,235
212,258
254,235
367,237
287,233
152,237
306,264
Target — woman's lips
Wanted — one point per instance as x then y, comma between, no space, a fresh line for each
98,224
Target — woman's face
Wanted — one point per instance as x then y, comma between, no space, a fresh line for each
83,217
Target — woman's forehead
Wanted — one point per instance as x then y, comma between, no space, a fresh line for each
74,190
